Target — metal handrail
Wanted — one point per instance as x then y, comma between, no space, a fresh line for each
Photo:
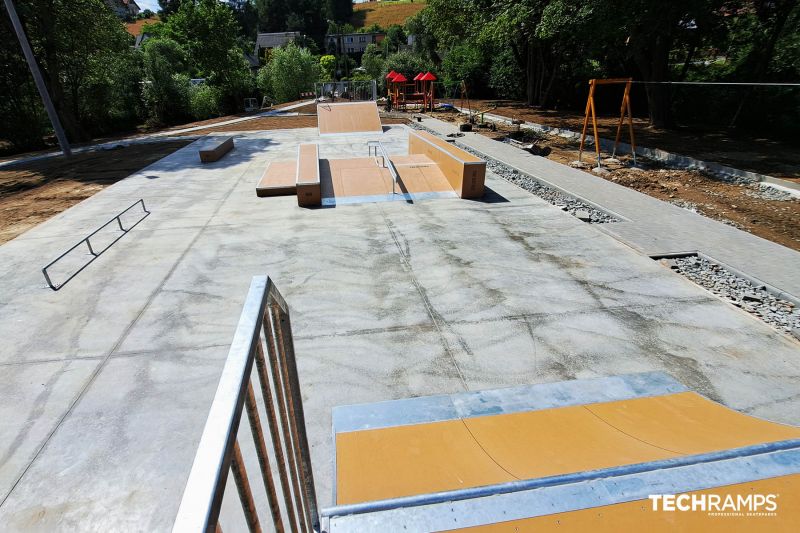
264,322
386,162
93,253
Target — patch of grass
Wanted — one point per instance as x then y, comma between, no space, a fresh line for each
385,13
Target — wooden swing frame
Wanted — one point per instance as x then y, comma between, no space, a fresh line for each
625,108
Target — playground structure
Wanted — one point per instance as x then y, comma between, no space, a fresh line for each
401,93
625,109
432,168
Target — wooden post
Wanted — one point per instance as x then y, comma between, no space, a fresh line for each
623,106
589,109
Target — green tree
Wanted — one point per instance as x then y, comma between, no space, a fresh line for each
395,38
73,42
373,62
165,90
208,32
407,63
292,70
465,62
327,65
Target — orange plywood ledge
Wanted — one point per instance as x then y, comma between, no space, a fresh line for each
309,192
278,179
465,172
348,117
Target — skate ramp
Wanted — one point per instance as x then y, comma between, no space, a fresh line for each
348,117
501,454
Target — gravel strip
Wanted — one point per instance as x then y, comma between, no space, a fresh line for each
766,192
571,205
782,314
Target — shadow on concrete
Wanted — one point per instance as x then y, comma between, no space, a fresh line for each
490,196
97,166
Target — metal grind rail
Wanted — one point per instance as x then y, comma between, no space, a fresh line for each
264,325
94,253
375,146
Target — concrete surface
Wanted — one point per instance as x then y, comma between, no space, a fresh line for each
651,226
106,384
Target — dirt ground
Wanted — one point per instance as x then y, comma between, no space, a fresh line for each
742,206
756,154
276,123
31,193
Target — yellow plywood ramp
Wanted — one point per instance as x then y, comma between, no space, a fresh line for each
400,460
348,117
486,450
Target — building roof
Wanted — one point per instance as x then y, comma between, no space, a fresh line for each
275,40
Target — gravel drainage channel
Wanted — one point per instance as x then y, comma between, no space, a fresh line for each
765,303
575,207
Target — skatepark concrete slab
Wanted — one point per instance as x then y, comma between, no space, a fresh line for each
388,300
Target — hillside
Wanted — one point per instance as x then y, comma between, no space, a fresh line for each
135,28
384,13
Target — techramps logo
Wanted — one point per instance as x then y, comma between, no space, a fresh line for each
718,505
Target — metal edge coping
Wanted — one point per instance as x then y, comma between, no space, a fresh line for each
362,102
408,197
488,506
463,162
341,133
436,408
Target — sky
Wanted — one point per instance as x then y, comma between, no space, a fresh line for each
152,5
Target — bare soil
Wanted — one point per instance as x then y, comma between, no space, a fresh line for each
278,123
741,206
756,154
32,192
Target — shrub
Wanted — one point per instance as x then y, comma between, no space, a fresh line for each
204,101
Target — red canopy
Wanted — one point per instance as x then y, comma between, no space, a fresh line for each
418,76
391,75
428,77
399,78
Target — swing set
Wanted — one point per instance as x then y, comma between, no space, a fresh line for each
625,108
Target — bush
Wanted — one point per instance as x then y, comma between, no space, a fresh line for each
292,70
327,65
204,102
165,92
373,62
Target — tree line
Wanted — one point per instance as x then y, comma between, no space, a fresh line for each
192,66
542,52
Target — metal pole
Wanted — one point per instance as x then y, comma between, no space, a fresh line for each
37,77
